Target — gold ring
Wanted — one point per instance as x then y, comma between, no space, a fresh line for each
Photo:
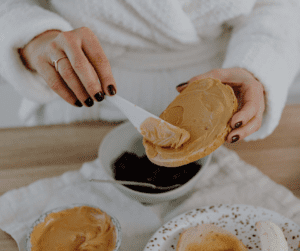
55,62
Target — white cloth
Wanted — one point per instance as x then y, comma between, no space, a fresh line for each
265,40
228,180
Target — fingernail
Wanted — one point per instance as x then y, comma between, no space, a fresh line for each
235,138
237,125
78,103
89,102
182,84
111,90
99,96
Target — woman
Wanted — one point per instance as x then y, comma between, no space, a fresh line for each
68,54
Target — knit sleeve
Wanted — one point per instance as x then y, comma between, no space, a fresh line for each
266,43
20,22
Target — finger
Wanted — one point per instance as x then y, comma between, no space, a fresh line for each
242,117
57,84
181,86
252,126
84,70
253,105
99,61
70,77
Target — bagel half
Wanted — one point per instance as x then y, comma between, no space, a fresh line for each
204,109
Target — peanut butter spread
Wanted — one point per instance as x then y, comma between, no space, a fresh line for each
163,134
204,110
217,242
78,228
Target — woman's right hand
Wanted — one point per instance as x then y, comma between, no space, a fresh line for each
82,65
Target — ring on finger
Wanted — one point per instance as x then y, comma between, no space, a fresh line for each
55,62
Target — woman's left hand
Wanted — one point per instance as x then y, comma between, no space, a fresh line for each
250,95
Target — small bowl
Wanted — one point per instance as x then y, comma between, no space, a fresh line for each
126,138
44,215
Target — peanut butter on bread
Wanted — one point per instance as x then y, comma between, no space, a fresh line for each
208,237
203,112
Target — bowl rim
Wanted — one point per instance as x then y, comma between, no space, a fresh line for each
42,217
120,127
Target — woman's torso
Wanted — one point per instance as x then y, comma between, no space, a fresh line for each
151,49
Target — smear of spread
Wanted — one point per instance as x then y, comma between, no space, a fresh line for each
75,229
163,134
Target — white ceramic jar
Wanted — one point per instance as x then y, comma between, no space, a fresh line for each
126,138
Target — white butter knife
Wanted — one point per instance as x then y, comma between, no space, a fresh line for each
134,113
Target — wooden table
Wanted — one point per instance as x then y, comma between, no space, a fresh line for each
30,154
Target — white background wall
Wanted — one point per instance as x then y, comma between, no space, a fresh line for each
10,101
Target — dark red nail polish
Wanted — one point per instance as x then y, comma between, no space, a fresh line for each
235,138
182,84
99,96
237,125
111,90
89,102
78,103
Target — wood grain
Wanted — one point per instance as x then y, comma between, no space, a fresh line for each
278,155
30,154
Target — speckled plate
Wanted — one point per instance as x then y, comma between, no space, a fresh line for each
238,219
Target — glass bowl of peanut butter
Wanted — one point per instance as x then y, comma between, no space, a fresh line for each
74,227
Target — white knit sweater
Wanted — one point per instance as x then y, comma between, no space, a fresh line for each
153,45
